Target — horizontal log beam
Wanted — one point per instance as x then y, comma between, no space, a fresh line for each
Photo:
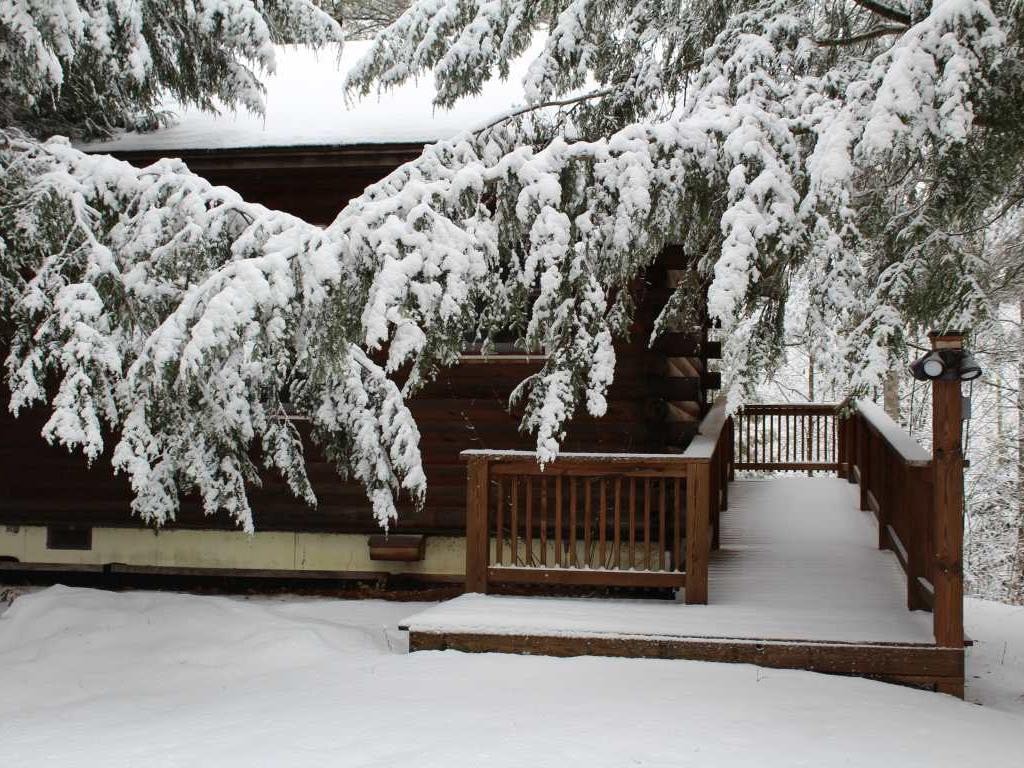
684,389
679,344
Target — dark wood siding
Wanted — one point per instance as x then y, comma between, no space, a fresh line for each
465,408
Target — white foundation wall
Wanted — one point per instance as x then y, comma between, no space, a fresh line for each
285,551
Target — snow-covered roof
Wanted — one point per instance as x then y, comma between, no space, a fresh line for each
305,106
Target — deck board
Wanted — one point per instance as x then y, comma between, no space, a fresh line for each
798,562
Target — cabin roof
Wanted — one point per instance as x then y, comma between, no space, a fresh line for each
306,107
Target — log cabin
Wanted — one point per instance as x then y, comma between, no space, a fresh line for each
857,570
309,156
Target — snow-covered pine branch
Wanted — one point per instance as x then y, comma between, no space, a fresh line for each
744,138
91,66
192,324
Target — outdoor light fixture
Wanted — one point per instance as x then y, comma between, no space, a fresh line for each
946,365
969,369
931,366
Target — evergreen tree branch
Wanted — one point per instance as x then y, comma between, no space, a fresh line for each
871,34
886,11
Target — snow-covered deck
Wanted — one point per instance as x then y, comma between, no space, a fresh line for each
798,562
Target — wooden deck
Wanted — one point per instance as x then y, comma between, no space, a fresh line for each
798,582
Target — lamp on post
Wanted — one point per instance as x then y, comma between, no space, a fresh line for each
946,363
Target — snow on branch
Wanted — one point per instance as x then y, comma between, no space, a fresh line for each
195,325
92,67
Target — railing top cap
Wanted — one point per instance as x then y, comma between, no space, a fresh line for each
491,453
791,406
702,447
906,446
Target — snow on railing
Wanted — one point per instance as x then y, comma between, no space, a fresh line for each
909,450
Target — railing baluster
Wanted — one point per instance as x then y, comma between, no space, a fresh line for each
661,524
647,523
617,521
817,438
544,521
602,522
558,521
514,521
677,527
757,438
775,421
587,537
529,521
632,522
795,437
573,499
499,523
746,418
778,437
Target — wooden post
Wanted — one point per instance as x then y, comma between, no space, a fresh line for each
715,497
478,542
731,427
883,498
852,438
726,462
948,467
864,462
698,545
842,424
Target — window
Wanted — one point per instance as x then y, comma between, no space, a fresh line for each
68,537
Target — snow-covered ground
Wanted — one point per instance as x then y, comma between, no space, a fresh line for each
91,678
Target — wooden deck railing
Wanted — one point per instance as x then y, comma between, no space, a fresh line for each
897,479
652,520
631,520
895,475
788,437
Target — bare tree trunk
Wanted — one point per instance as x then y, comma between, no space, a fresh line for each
810,378
891,395
810,399
1015,588
1000,426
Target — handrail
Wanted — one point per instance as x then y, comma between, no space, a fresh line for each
497,454
893,434
894,474
793,407
709,433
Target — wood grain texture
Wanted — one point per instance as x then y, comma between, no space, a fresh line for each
900,663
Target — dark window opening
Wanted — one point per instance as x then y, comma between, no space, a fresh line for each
68,537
